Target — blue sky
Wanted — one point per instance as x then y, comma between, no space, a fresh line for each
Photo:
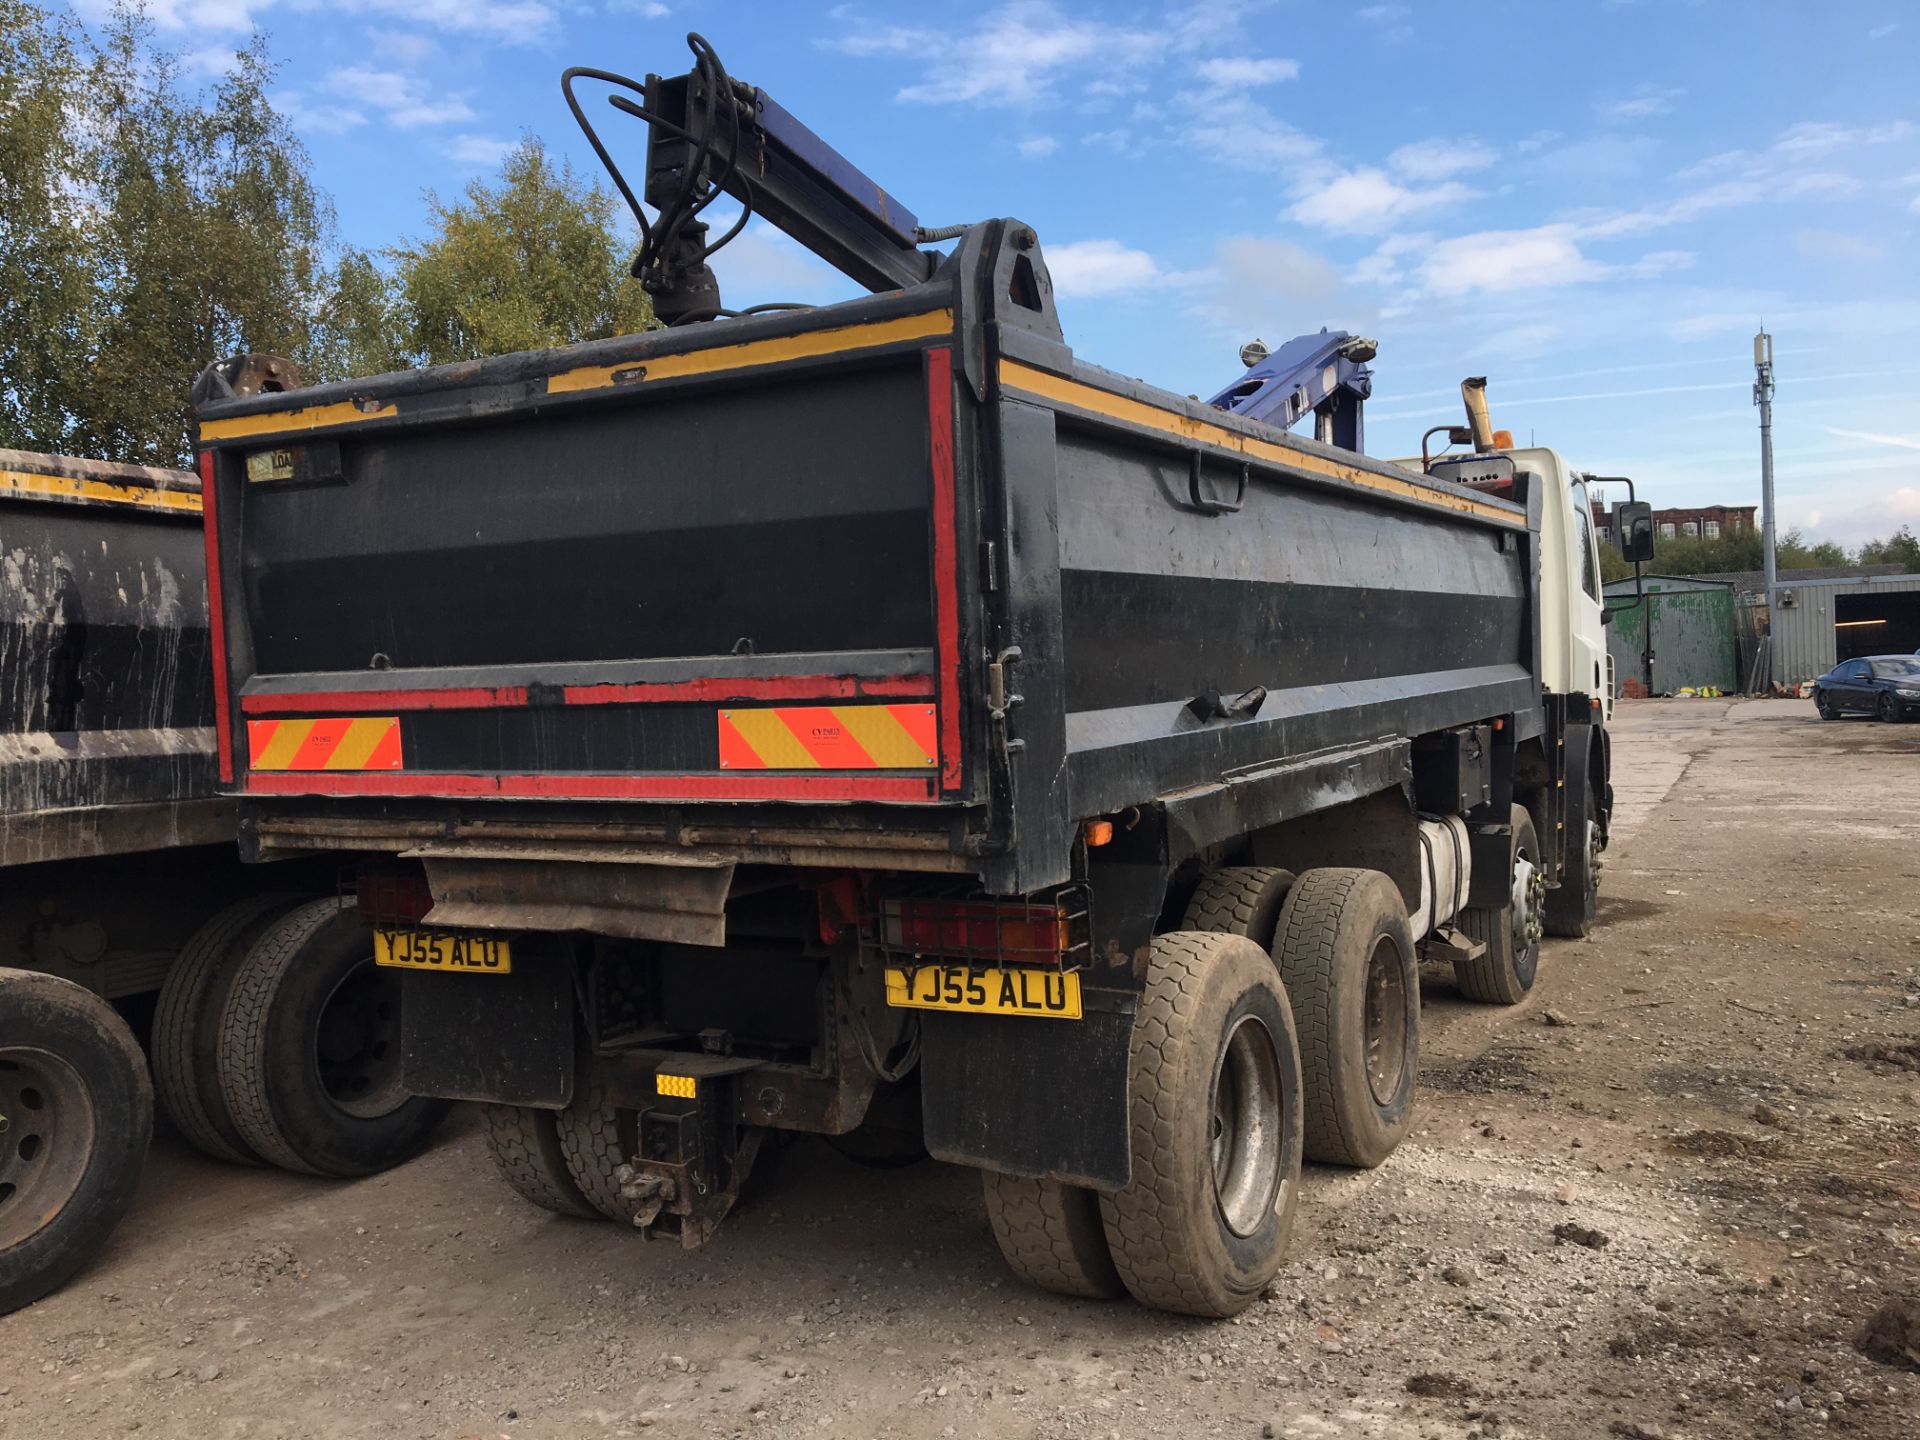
1592,202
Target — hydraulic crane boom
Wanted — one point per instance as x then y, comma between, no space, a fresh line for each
709,134
1325,374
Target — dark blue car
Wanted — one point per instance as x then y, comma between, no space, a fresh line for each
1886,686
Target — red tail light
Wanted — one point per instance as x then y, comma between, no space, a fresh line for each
990,932
393,898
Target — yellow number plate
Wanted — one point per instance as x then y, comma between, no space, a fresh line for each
1051,994
435,950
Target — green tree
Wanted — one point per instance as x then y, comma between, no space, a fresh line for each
46,271
211,240
359,329
532,262
1900,548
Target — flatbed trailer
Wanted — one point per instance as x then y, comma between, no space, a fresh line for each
741,727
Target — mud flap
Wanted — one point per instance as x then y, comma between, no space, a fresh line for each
500,1039
1040,1098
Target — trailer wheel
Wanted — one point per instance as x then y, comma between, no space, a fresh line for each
1346,957
309,1057
1511,933
1240,900
186,1026
1216,1127
1051,1235
76,1113
596,1139
525,1146
1570,908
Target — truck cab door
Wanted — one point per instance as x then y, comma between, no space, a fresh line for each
1589,637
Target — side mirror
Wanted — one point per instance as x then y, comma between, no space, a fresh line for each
1606,616
1634,520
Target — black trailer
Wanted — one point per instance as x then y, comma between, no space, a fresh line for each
122,894
738,723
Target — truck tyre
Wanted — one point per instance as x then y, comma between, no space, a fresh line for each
1215,1119
185,1045
1240,900
595,1140
76,1113
309,1056
1051,1235
525,1146
1346,958
1570,907
1511,932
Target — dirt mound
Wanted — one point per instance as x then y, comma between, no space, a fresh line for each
1722,1145
1891,1335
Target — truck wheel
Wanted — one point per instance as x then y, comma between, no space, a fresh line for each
1215,1119
1051,1235
1240,900
595,1140
1511,932
1346,958
76,1113
186,1026
1570,908
525,1146
309,1056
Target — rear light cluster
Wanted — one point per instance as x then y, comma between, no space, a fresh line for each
391,898
1050,930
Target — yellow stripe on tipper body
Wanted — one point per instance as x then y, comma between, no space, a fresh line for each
1032,381
356,747
749,353
71,487
286,422
777,746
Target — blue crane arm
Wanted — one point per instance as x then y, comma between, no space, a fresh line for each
1325,375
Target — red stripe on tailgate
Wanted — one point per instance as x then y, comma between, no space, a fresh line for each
514,697
823,788
210,530
946,560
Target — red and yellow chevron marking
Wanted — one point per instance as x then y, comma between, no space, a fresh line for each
829,737
368,743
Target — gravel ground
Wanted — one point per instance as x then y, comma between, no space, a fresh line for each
1661,1199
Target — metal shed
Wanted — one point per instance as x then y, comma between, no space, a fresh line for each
1818,623
1689,623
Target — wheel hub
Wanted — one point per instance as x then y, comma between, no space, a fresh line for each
1386,1021
1245,1129
46,1138
1529,903
357,1044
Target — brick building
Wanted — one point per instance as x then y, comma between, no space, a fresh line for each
1708,522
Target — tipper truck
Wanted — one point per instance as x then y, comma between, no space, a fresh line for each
122,895
874,714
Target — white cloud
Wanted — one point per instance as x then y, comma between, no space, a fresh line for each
1642,104
1118,140
1504,260
1914,205
1811,138
1899,442
1084,268
518,21
1245,70
1038,147
1015,55
763,264
403,99
1437,159
1880,32
1834,245
1389,20
482,150
1265,287
1243,133
1367,201
1656,263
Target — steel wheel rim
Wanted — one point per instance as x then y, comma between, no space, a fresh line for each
1248,1119
1386,1020
1527,908
357,1043
48,1139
